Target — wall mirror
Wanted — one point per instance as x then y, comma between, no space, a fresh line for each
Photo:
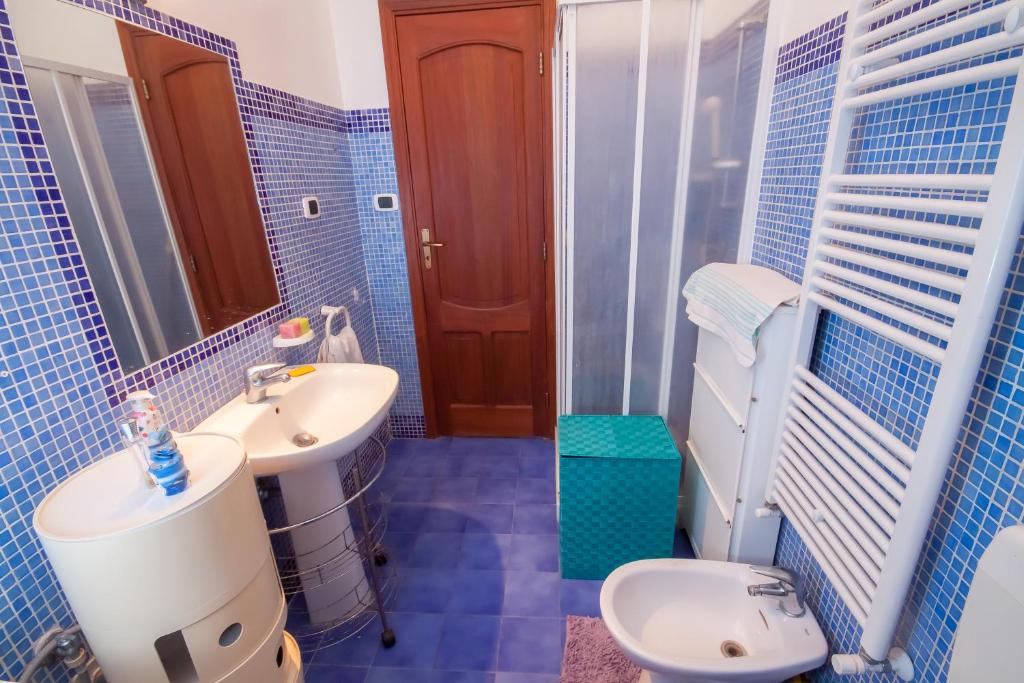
147,145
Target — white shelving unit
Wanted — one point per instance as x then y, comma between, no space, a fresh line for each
728,456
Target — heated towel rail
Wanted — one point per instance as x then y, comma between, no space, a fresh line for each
918,257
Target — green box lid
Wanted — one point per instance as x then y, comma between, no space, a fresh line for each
644,437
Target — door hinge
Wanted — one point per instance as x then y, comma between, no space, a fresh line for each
192,263
544,249
145,88
540,63
547,399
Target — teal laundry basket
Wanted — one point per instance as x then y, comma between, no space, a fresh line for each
618,483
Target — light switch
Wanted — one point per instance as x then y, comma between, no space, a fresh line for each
310,207
385,202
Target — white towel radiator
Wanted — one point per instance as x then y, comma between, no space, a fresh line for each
884,254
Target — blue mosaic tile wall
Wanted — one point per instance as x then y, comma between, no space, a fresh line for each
60,384
984,491
373,158
805,79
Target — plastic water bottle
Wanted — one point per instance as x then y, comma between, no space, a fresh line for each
166,464
136,445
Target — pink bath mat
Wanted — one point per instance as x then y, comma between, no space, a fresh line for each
591,655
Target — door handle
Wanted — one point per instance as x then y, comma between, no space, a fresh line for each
428,256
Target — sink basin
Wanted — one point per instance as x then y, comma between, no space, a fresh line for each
299,432
339,405
692,621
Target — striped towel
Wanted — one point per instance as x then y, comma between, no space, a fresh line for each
733,301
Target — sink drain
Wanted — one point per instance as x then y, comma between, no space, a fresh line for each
730,648
304,440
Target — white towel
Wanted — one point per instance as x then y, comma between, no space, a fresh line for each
733,300
342,347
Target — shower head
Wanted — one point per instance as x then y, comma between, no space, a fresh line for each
711,104
712,107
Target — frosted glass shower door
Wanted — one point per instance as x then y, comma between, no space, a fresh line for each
620,92
728,80
669,46
607,65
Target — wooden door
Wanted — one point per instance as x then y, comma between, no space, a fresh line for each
472,94
191,116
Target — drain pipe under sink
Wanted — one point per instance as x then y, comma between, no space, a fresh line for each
66,646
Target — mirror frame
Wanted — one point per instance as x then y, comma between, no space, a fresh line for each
117,382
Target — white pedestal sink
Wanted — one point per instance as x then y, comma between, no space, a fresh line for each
299,432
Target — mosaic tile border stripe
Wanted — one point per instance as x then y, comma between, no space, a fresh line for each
377,120
59,381
812,51
254,100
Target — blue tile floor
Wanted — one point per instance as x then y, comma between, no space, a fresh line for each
473,533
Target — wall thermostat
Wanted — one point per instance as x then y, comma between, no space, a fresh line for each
385,202
310,207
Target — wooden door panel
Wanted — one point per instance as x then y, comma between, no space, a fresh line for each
511,351
472,97
193,92
465,352
476,173
191,116
454,317
490,420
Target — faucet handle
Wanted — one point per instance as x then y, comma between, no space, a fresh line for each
262,371
788,582
778,573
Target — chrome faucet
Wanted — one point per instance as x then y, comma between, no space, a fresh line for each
259,377
786,583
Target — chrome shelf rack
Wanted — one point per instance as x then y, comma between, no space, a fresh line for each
357,548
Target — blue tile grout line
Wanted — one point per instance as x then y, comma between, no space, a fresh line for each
371,149
60,382
956,130
61,385
480,594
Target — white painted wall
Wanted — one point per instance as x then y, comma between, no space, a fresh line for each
278,46
331,51
58,32
719,16
360,53
800,16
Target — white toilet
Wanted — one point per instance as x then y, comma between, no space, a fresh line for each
988,639
692,621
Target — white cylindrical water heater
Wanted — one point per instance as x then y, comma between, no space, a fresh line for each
176,588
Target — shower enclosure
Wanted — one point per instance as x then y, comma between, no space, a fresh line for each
654,103
99,149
